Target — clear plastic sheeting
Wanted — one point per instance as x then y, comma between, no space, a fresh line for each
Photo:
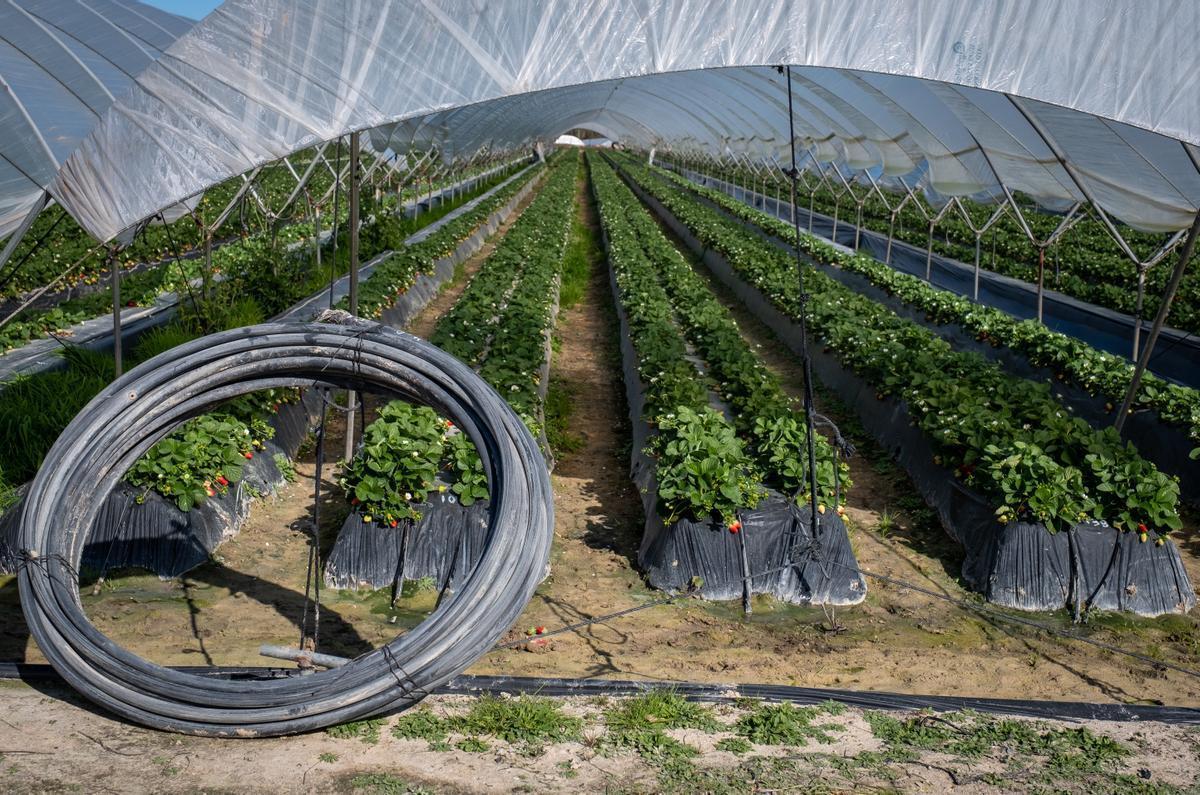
1060,100
61,64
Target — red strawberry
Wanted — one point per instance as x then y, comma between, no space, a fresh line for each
222,480
249,455
354,500
1142,528
540,630
735,526
395,523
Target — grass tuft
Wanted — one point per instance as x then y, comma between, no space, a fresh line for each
787,724
365,730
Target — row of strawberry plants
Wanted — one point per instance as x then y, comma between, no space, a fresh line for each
268,248
653,275
201,458
1074,361
498,326
1007,437
55,241
394,275
1085,262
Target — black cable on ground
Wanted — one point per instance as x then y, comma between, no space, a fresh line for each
140,408
699,691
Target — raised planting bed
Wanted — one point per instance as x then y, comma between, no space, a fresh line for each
1085,268
719,452
158,293
1164,424
141,528
416,487
993,457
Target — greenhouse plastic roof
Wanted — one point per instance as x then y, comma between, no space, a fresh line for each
1063,101
61,64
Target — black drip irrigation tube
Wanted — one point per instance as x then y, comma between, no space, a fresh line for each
134,412
554,687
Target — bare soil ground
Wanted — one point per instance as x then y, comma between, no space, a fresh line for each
52,741
898,640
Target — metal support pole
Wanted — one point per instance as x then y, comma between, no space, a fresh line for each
1041,285
975,292
352,397
1137,315
337,179
929,255
1159,320
887,260
858,226
115,272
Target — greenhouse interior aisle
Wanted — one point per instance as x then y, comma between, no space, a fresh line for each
486,396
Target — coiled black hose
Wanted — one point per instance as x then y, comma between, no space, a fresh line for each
137,410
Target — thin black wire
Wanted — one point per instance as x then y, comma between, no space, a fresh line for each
312,578
806,361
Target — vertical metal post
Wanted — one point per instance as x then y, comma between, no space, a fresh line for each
812,199
352,397
975,292
115,272
1137,315
929,254
1041,280
858,226
337,183
354,220
887,260
1159,319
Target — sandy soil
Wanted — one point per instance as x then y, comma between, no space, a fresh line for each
50,740
252,593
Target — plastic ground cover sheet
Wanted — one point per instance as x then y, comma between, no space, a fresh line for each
150,532
1167,446
1017,565
1175,356
775,546
445,543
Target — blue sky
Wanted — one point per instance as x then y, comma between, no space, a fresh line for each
196,9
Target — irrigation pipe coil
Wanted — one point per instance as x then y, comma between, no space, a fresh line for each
144,405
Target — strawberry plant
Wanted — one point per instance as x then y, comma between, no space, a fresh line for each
396,464
206,455
703,468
